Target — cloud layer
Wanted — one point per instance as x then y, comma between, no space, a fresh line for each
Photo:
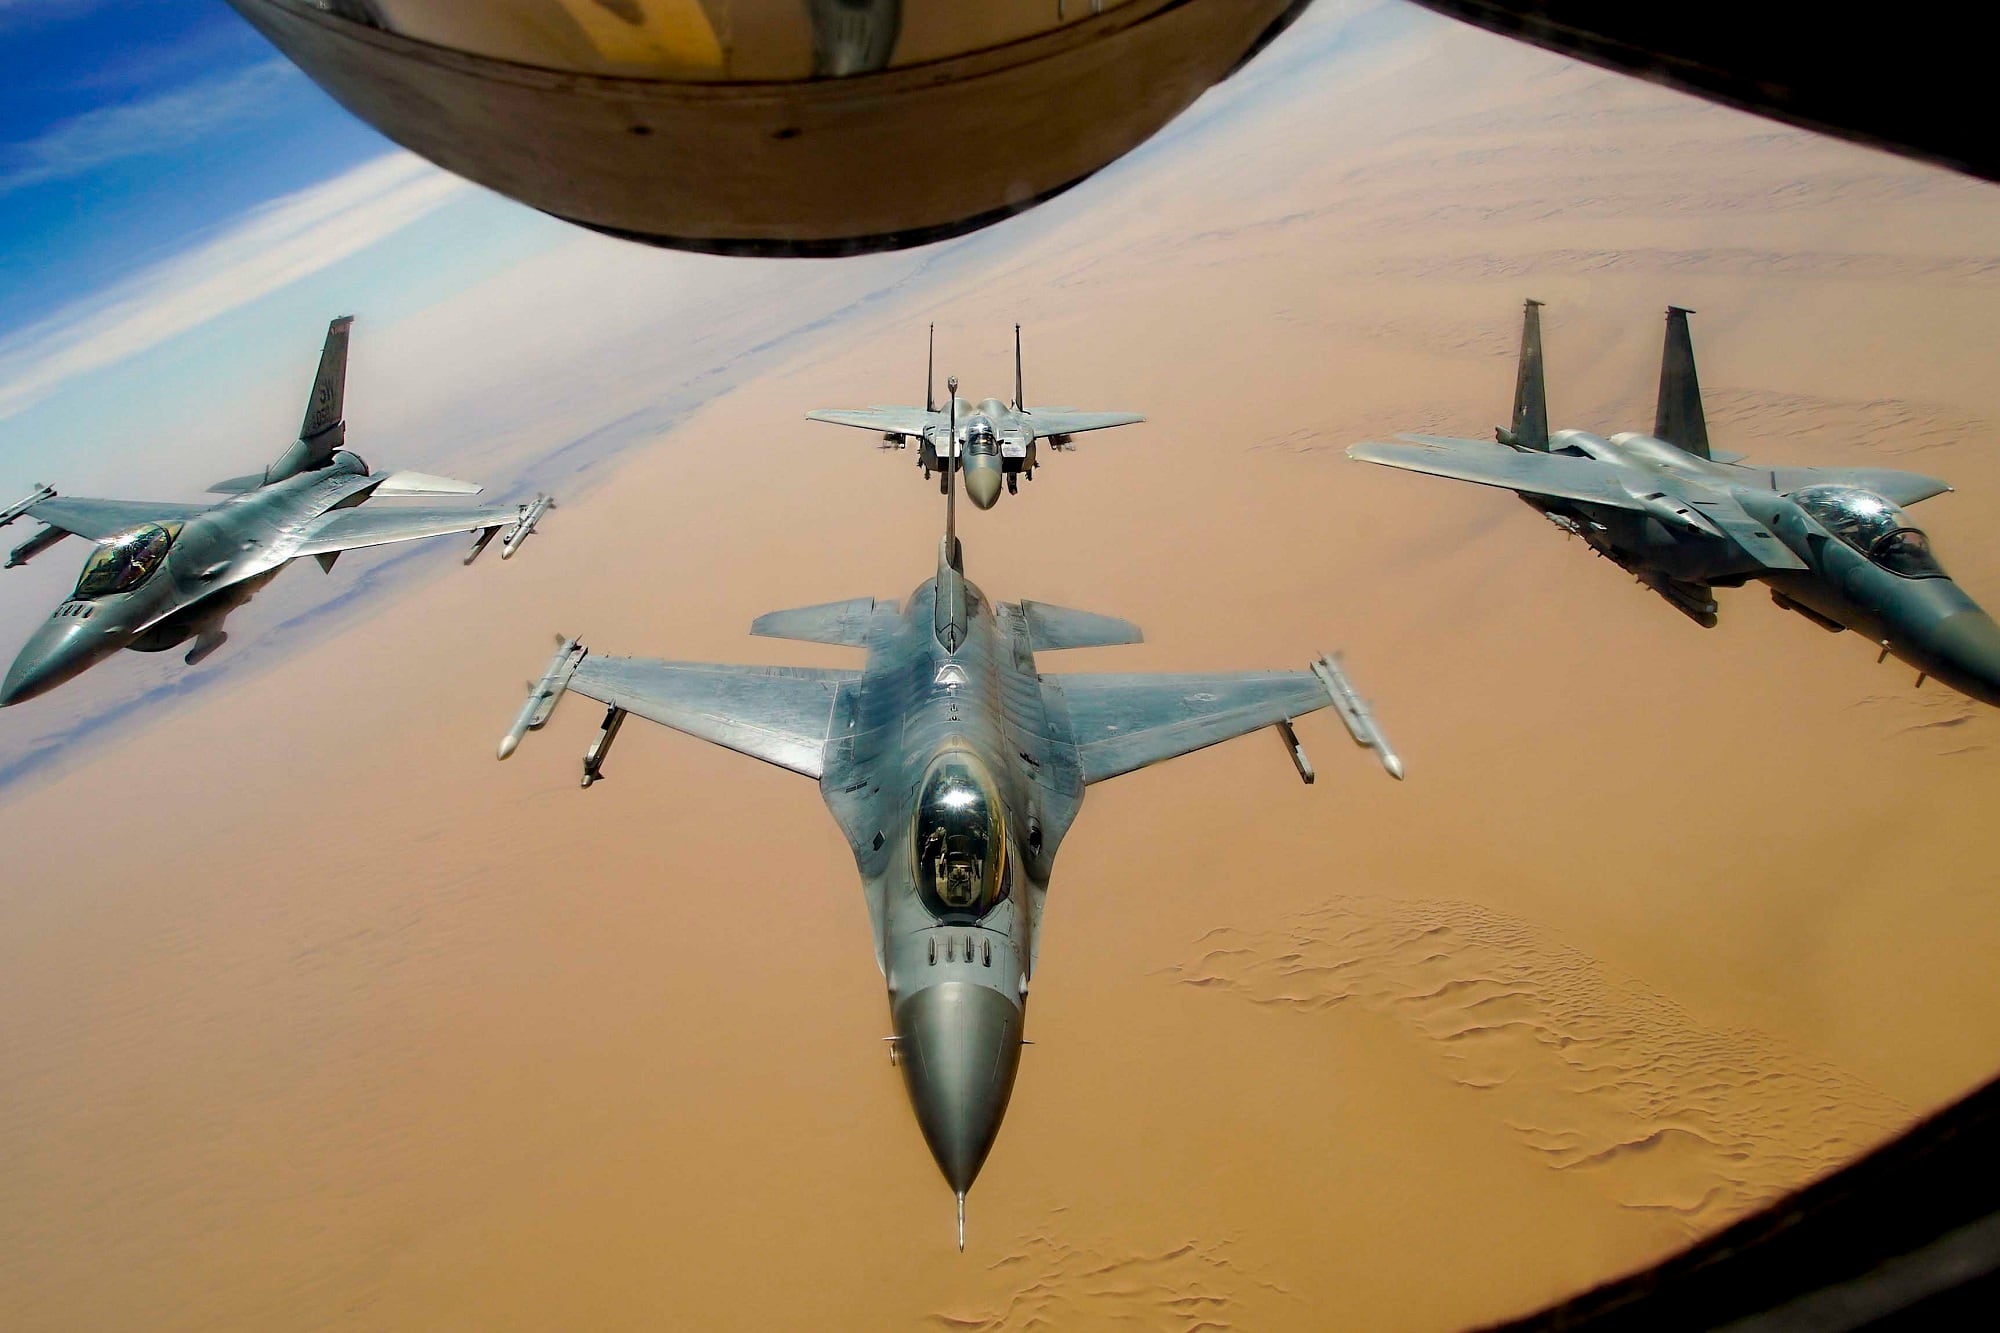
273,246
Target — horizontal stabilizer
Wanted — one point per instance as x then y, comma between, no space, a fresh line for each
846,624
423,483
237,485
1051,627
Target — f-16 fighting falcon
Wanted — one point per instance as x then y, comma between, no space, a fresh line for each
991,441
954,767
1832,543
163,574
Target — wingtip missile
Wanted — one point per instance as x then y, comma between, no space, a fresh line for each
525,525
1354,711
544,694
14,511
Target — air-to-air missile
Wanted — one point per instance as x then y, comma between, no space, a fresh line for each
525,526
774,127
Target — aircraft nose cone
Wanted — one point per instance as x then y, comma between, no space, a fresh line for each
1967,646
982,484
57,651
958,1045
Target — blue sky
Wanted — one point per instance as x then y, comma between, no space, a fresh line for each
129,127
174,194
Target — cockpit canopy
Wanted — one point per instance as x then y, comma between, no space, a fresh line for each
1873,526
961,840
126,561
979,439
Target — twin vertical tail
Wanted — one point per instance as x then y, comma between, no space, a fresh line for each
1531,396
1679,420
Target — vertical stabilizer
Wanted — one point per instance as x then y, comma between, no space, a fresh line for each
1680,421
930,372
1531,395
324,408
1020,395
325,427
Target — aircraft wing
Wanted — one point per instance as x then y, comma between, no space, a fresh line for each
781,715
1125,722
97,520
368,525
1556,476
883,420
1047,421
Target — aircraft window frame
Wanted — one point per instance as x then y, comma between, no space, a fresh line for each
958,804
121,564
1874,526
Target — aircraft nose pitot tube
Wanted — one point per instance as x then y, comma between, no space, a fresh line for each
59,650
958,1045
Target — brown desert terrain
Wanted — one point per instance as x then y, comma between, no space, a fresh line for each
312,1016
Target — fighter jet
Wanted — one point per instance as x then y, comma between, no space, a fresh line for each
990,441
163,574
955,767
1833,543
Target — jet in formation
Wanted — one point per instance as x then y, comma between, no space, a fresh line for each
164,574
1832,543
954,767
992,443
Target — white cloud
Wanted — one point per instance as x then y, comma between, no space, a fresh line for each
136,129
278,244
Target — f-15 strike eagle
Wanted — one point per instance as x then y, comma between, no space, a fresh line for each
955,767
163,574
1832,543
991,441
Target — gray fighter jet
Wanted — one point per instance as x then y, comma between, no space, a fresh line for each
163,574
991,442
1832,543
954,767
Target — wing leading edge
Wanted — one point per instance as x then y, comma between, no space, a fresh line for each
781,715
97,520
1122,723
1556,476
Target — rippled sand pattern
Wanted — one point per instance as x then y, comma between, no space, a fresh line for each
1065,1284
1595,1073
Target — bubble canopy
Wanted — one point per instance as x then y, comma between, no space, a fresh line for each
1873,526
776,127
126,561
960,840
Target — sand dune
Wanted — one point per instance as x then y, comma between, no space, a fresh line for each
312,1016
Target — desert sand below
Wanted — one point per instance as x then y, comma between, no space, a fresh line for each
312,1016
